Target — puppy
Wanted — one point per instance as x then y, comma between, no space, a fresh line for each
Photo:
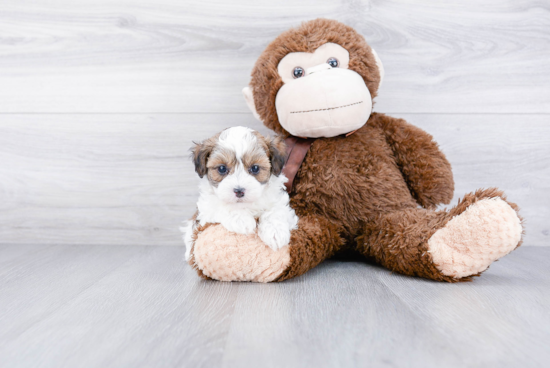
242,187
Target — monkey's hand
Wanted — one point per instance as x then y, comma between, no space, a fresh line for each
424,167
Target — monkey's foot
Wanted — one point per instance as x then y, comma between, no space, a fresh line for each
226,256
486,231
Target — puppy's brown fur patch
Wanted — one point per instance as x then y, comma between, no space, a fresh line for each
258,156
201,152
277,152
220,156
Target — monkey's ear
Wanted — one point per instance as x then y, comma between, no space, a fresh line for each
277,153
249,98
379,65
200,153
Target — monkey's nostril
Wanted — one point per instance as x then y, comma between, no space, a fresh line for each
239,192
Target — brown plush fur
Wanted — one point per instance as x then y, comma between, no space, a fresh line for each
315,240
362,193
363,182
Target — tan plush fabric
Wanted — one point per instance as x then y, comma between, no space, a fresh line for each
311,60
324,104
226,256
470,242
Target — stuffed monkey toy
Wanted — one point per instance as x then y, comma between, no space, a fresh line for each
360,181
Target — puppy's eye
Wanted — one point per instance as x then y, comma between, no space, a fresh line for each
333,62
298,72
254,169
222,169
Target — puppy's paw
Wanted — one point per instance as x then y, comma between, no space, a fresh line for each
275,234
240,224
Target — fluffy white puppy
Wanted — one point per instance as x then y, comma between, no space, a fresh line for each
242,187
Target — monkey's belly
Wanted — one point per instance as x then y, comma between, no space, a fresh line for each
351,195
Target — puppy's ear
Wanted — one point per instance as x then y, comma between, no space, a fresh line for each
277,155
200,153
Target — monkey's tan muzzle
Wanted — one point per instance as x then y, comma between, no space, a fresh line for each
324,103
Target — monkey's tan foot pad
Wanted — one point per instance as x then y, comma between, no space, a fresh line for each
486,231
226,256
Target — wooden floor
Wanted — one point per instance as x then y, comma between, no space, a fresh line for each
140,306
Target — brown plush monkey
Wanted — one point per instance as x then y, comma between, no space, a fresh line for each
373,192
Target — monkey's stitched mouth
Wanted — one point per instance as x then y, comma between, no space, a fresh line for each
328,108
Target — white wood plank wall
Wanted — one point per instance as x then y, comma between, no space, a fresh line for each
100,100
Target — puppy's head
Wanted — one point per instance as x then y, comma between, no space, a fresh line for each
238,163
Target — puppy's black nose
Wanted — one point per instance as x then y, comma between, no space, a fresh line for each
239,192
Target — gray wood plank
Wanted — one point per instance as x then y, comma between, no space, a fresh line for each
128,306
127,312
127,179
172,56
339,315
70,266
482,322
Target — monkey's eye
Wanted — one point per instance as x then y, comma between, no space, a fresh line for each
222,169
254,169
333,62
298,72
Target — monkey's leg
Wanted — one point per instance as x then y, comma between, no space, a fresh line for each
449,245
225,256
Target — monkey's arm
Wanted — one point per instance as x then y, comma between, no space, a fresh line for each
425,168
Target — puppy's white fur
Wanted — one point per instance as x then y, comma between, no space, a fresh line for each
268,203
